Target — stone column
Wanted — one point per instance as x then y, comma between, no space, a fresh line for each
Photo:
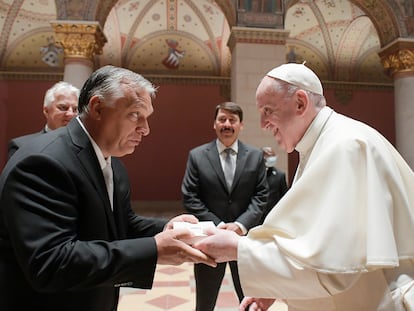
398,61
81,41
255,51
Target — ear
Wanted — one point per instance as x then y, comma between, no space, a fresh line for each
302,101
45,111
95,107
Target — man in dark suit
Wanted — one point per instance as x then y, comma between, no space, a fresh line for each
276,180
235,204
68,236
60,105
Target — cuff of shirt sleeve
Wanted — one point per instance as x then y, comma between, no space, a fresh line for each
242,228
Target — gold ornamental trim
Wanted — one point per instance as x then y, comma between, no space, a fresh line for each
256,36
79,40
398,57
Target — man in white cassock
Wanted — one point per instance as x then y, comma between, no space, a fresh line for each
342,237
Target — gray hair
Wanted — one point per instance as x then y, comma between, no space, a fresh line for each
50,95
106,83
289,90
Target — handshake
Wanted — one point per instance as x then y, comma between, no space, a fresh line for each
198,230
185,239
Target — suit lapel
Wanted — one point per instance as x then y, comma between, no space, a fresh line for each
240,163
89,161
214,159
117,213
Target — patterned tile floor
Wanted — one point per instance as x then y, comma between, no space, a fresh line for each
174,290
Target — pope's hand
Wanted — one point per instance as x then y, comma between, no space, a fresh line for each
220,244
256,304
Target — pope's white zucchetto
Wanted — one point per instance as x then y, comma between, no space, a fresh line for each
299,75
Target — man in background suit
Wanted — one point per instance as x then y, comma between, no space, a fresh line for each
276,180
68,236
60,105
235,205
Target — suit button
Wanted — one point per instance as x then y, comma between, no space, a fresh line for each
230,201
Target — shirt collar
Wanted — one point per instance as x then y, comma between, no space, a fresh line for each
102,161
315,128
221,147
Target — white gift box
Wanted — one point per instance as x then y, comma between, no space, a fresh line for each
198,229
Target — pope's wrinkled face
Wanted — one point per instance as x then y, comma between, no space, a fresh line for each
61,110
279,115
124,123
227,126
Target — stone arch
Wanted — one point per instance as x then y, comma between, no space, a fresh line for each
229,11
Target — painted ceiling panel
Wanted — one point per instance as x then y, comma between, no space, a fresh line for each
333,11
6,3
25,22
211,14
368,70
127,12
27,53
189,37
193,58
36,6
189,18
112,50
152,18
299,19
371,42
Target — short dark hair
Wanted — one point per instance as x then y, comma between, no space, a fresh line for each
231,107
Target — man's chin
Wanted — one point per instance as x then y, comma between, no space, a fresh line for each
124,152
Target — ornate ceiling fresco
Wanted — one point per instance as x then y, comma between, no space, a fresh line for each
189,37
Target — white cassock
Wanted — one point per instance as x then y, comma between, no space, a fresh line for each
342,238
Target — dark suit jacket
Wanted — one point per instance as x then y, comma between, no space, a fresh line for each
276,180
17,142
205,193
61,246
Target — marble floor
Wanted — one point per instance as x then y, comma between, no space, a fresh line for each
174,290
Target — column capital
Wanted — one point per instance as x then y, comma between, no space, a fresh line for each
257,35
398,57
79,39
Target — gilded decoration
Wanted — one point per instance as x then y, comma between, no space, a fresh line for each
79,40
398,57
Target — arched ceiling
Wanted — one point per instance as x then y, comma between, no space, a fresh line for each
184,37
337,38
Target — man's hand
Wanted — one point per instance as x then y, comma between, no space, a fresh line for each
172,249
221,245
232,226
256,304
